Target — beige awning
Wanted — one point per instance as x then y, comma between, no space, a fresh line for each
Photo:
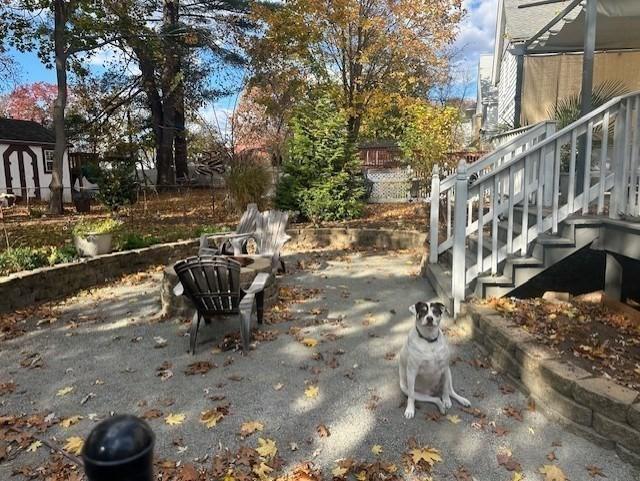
617,27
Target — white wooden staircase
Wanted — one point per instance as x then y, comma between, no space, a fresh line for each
497,223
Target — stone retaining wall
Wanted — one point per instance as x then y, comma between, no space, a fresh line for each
596,408
24,289
345,238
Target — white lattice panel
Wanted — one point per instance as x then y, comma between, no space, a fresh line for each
389,185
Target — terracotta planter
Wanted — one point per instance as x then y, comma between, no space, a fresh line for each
93,245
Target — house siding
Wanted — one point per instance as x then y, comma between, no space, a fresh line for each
507,89
43,177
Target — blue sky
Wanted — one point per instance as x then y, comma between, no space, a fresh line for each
476,36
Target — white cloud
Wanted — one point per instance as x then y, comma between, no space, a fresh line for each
477,35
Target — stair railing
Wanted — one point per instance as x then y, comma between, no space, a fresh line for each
521,182
443,191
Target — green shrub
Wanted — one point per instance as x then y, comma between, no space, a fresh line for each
132,240
16,259
248,182
117,185
322,179
101,226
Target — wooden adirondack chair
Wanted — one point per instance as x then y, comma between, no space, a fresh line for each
233,242
271,236
212,284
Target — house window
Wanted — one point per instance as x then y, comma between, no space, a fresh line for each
48,161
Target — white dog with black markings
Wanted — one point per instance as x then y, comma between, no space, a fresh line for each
425,374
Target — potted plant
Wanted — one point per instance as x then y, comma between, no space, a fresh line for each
93,238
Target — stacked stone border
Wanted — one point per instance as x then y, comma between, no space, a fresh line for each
29,288
593,407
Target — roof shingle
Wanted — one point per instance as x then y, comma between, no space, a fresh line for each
25,131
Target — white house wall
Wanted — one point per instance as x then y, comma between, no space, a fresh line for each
507,89
44,178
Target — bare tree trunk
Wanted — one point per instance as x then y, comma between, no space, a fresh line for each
181,147
56,187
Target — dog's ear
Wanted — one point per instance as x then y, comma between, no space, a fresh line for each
412,309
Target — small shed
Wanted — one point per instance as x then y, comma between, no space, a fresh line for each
27,151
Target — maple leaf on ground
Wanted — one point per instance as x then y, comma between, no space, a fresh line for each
33,447
70,421
552,473
7,387
74,445
500,431
513,412
462,474
311,392
595,471
64,391
453,418
152,414
426,454
376,449
175,419
263,470
266,448
509,463
517,476
199,367
309,342
211,417
339,471
250,427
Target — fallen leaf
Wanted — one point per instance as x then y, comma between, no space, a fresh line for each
323,431
278,386
376,449
70,421
517,476
33,447
211,417
427,454
509,463
552,456
199,367
250,427
174,419
266,448
74,445
462,474
339,471
552,473
263,470
311,392
595,471
309,342
64,391
159,342
152,414
453,418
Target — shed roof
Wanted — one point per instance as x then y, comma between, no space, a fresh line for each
25,131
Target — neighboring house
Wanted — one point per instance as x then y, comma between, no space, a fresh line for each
533,69
487,97
26,150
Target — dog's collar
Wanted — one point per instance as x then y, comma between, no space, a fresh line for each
426,338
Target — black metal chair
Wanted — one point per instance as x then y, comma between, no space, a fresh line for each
212,284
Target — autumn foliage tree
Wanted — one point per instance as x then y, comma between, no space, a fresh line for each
368,46
31,102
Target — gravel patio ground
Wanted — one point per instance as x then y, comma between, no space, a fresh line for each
356,307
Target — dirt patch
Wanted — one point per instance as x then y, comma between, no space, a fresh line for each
597,339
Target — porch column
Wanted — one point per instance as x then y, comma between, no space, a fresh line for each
518,51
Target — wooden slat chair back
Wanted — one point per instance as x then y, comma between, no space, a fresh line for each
271,235
211,283
224,243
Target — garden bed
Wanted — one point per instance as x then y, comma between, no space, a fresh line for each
592,336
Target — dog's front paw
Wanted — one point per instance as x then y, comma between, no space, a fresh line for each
446,402
465,402
409,412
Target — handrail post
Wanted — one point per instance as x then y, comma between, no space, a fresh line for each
550,129
618,191
434,220
458,275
